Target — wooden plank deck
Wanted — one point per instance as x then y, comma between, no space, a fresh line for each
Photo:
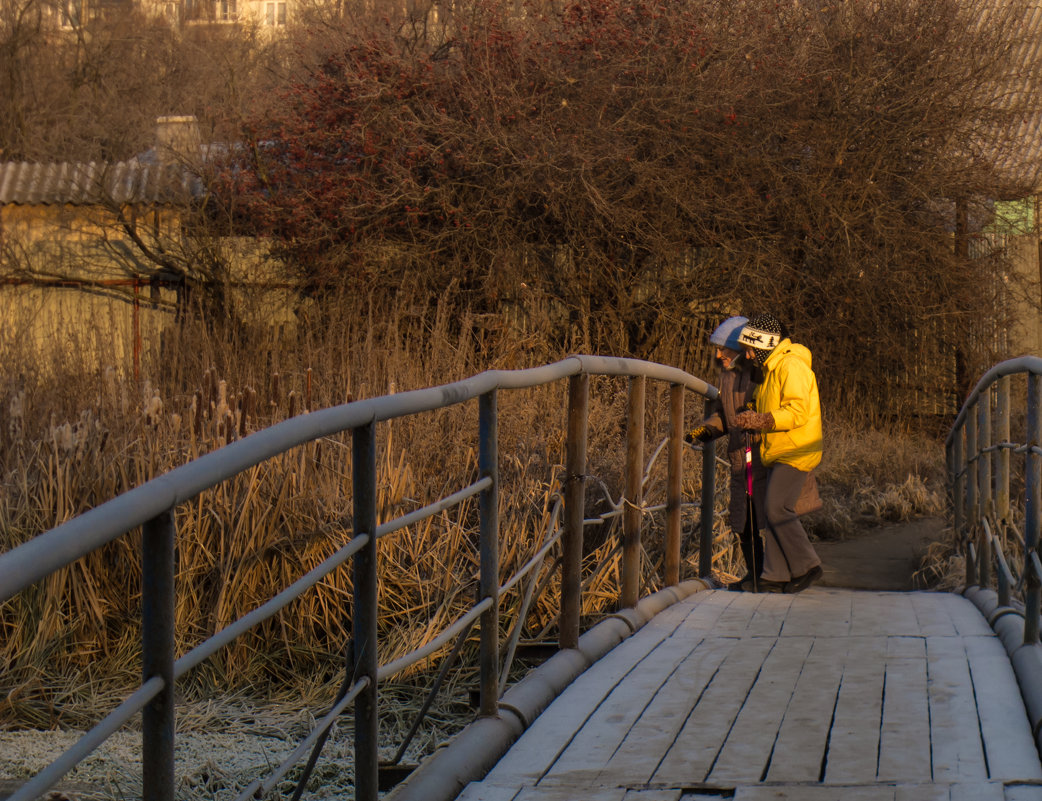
829,695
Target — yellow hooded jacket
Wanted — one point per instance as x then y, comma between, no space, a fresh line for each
790,393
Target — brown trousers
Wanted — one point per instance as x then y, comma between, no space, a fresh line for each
787,551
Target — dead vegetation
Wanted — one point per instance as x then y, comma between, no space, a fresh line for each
75,439
594,239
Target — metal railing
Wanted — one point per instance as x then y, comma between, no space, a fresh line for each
152,506
979,453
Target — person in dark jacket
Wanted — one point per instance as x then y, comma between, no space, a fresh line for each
737,388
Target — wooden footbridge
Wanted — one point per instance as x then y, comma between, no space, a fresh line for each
831,694
690,692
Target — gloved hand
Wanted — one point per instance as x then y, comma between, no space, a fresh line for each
700,434
754,421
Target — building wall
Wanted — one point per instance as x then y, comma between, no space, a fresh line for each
77,293
1026,296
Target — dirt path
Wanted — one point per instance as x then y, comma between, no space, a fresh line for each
881,558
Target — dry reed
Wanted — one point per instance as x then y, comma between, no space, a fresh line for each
76,436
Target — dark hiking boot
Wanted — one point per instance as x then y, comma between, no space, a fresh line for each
744,584
800,583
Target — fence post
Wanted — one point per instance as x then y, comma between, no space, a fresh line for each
574,511
1002,407
157,641
1033,502
634,501
958,484
488,465
972,508
363,454
674,480
705,542
985,487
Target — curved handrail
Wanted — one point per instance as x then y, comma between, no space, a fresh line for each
41,556
151,505
979,447
1022,364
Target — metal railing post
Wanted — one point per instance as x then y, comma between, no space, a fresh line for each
634,501
157,639
1002,458
674,481
958,485
1004,589
363,479
488,465
705,541
972,507
574,511
1033,502
985,485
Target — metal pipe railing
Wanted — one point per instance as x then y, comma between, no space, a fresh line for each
574,508
152,506
364,614
28,563
705,547
979,450
674,490
1002,456
488,590
1033,510
157,651
632,518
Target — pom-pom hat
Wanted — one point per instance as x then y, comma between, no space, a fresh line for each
762,332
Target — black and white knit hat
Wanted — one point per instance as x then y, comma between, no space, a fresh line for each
762,333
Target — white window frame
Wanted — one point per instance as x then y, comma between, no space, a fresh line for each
275,13
226,10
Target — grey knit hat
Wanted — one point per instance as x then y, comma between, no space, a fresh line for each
726,334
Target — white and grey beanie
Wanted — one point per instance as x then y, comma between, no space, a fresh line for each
762,333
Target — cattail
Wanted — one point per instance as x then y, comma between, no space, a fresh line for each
64,438
221,410
274,398
210,379
153,409
246,403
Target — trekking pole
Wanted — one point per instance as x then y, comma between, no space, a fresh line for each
750,512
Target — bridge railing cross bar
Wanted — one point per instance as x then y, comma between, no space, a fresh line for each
152,505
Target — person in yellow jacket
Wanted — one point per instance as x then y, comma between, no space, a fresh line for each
788,416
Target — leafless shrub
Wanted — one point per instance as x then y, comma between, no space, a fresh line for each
645,165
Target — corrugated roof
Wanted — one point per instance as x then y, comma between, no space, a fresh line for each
1023,94
97,183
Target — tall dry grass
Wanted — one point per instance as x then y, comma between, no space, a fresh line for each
76,435
871,475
